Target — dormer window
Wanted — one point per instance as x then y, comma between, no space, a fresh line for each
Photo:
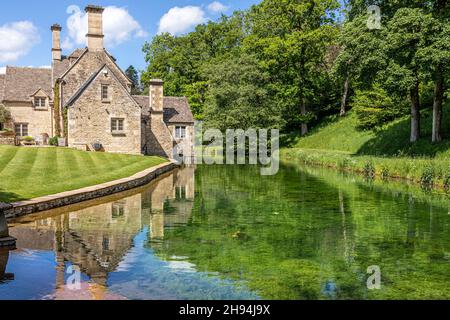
40,103
105,92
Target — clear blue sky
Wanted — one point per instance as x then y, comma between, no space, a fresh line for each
20,46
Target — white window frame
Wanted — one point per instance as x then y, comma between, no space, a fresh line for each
115,125
180,132
105,87
21,130
38,103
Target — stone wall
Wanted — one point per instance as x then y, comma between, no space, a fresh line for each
158,138
39,120
23,208
83,70
90,118
8,140
186,145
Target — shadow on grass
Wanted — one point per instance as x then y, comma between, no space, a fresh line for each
394,140
9,197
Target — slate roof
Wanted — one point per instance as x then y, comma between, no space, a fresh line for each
59,67
21,83
2,86
176,109
77,53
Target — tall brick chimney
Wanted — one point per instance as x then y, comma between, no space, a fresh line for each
156,95
95,28
56,39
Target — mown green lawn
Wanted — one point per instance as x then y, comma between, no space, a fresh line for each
27,173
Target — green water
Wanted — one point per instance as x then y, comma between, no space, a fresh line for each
225,232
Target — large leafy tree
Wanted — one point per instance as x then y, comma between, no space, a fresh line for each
291,39
405,36
239,97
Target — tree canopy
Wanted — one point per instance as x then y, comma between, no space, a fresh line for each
287,64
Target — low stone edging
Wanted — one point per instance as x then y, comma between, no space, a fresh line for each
22,208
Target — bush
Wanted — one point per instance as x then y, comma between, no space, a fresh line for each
28,139
369,170
428,175
374,108
53,141
5,115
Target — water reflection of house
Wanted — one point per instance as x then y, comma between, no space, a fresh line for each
97,237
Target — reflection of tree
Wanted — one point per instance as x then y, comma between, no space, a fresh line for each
302,235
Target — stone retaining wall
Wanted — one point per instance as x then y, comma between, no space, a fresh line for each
8,140
23,208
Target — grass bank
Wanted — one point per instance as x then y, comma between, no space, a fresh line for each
386,153
27,173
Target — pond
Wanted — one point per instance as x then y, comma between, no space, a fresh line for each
225,232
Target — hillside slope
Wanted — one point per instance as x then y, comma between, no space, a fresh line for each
341,134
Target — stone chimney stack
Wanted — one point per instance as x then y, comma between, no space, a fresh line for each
95,28
156,95
56,46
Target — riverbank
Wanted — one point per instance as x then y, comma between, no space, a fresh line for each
28,173
385,154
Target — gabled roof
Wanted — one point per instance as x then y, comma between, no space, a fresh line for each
59,67
2,86
88,82
21,83
76,53
176,109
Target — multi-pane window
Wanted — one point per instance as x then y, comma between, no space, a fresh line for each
180,132
39,102
105,93
21,129
117,125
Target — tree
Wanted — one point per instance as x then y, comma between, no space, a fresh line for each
5,115
405,37
238,97
291,39
133,75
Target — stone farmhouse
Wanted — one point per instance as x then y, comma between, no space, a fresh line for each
88,97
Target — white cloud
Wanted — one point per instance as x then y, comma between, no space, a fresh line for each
179,20
118,26
17,39
216,7
2,70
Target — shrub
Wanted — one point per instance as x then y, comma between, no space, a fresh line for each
385,172
427,178
375,108
28,139
53,141
369,170
5,115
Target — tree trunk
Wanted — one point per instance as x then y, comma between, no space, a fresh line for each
344,97
437,107
415,113
304,130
